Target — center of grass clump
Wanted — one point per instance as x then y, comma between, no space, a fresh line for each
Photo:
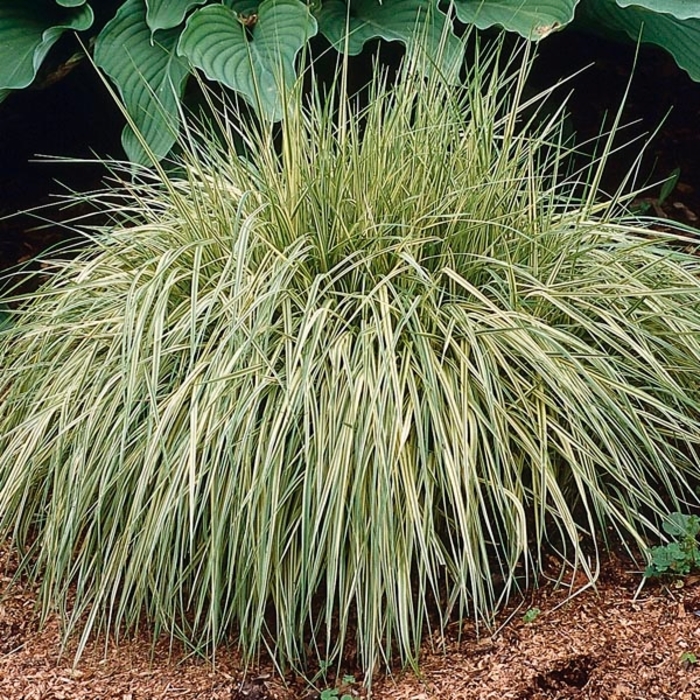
327,391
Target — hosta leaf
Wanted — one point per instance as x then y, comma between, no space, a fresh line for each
680,9
681,38
149,75
27,33
71,3
257,62
407,21
533,19
165,14
4,94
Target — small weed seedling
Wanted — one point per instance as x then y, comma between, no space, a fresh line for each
334,693
680,556
531,615
688,659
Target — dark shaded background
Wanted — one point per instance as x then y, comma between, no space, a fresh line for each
76,117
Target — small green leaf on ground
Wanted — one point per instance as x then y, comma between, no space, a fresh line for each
531,615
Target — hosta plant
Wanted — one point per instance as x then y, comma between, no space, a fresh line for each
359,382
150,47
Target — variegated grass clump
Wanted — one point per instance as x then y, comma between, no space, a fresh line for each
351,385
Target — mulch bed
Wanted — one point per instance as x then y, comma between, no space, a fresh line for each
605,642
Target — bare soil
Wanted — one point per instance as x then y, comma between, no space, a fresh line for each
605,642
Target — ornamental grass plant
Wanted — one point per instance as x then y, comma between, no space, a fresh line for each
350,381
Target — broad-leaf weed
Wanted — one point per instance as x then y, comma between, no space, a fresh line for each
680,556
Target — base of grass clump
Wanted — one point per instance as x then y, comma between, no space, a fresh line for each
360,377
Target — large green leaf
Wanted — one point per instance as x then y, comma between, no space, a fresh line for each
71,3
149,75
533,19
28,30
681,38
166,14
412,22
258,61
681,9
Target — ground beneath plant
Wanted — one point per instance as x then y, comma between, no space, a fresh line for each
610,642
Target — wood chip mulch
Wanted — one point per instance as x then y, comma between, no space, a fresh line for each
602,644
607,643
